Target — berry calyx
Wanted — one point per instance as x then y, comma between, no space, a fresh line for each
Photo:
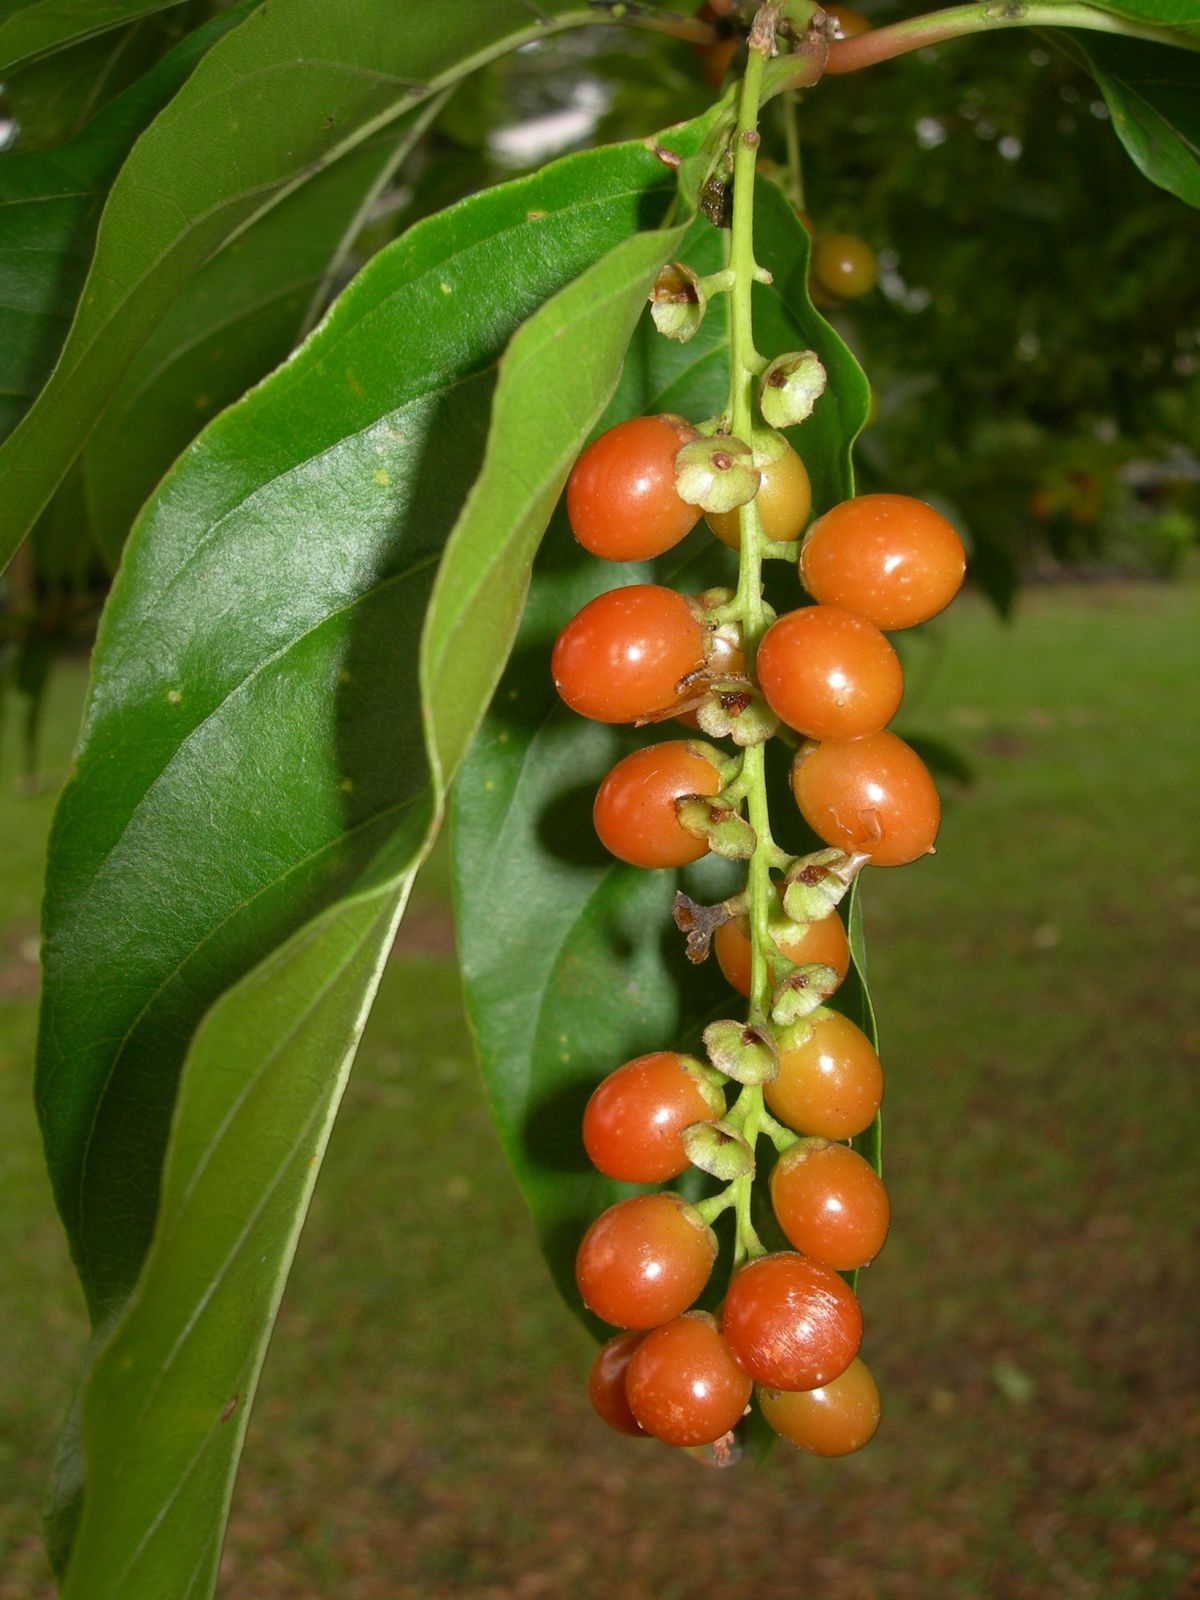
634,812
621,499
830,1203
606,1383
684,1385
829,673
892,559
623,657
833,1420
791,1322
870,796
784,497
829,1085
645,1260
802,943
633,1121
844,265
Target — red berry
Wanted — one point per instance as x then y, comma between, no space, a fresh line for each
633,1120
894,560
624,655
830,1203
634,811
790,1322
872,795
684,1385
833,1420
606,1385
645,1260
621,499
829,673
801,942
832,1084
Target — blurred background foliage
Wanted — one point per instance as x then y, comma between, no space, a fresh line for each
1033,342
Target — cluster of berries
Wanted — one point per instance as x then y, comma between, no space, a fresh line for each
790,1322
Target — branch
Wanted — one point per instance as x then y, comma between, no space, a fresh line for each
882,44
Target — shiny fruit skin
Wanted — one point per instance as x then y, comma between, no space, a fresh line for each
791,1323
844,264
644,1261
824,942
684,1385
834,1420
872,795
831,1086
634,812
621,499
623,655
829,673
633,1120
830,1203
784,501
606,1384
890,558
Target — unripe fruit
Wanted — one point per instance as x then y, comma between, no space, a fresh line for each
834,1420
684,1385
784,501
633,1120
829,673
790,1322
644,1261
832,1084
634,812
893,559
621,499
623,656
830,1203
872,796
844,264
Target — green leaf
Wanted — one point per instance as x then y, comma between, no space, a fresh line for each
168,1395
50,204
1153,93
30,28
570,961
1161,13
255,671
52,99
300,84
238,318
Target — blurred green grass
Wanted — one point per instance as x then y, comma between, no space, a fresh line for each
422,1428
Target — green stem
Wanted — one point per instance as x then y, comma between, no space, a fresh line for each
883,44
795,163
745,364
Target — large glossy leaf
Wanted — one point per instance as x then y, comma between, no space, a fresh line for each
1153,93
30,28
300,84
238,318
167,1399
570,960
251,717
50,204
52,99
